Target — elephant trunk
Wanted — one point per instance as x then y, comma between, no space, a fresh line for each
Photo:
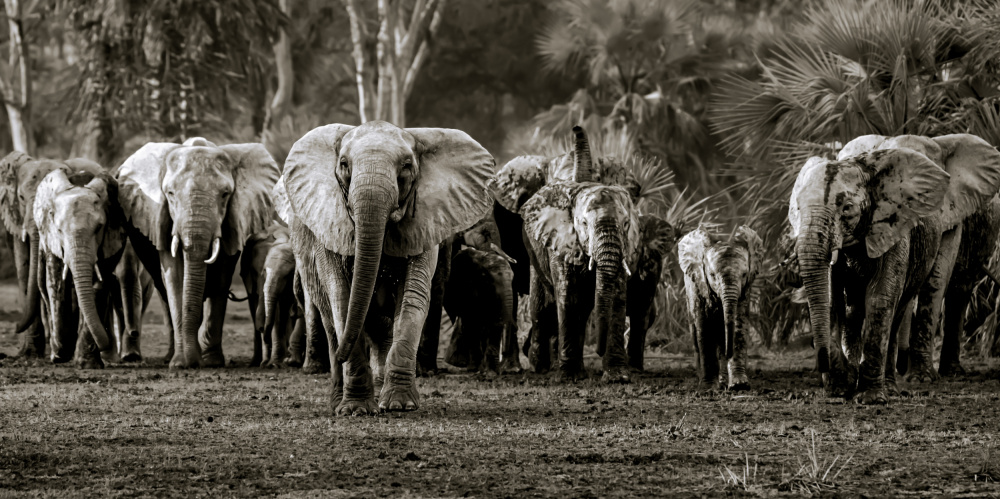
131,293
30,312
813,250
730,297
81,258
583,167
607,253
372,196
271,291
198,242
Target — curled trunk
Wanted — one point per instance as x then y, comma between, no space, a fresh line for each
81,262
814,267
372,202
608,255
30,312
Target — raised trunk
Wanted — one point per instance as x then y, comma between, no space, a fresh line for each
608,256
583,167
813,253
30,312
730,297
81,262
372,202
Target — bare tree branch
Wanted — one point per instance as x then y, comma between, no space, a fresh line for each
359,33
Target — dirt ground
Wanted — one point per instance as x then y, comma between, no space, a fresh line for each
130,431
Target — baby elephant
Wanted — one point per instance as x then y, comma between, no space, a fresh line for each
718,274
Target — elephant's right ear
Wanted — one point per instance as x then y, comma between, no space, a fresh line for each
974,166
548,219
50,187
282,206
905,186
860,145
517,181
314,193
140,193
691,253
9,204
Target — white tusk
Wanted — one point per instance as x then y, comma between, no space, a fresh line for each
97,270
833,258
590,266
215,251
173,246
24,235
65,271
625,266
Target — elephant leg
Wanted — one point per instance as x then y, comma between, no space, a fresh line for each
400,389
737,366
88,356
638,323
317,359
168,323
925,322
173,282
256,306
958,298
32,339
707,333
884,295
359,385
510,355
903,339
574,301
379,330
543,323
216,301
427,353
54,304
279,341
296,341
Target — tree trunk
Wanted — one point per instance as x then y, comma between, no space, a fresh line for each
282,99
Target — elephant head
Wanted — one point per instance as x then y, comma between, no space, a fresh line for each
872,198
19,179
376,188
723,267
79,222
517,181
197,200
279,271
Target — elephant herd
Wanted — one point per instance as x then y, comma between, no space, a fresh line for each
351,251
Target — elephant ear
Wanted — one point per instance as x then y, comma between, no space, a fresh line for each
657,239
860,145
755,249
808,189
250,208
55,183
548,220
974,167
114,232
451,191
314,193
691,252
517,181
140,194
9,204
905,186
282,207
612,171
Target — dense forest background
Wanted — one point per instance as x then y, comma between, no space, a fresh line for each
714,104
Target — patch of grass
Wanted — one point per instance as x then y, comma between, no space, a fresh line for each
745,478
816,474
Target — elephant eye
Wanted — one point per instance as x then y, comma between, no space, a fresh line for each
343,163
407,164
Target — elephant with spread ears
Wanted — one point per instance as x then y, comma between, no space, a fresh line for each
19,179
719,271
583,239
190,209
81,238
372,205
970,221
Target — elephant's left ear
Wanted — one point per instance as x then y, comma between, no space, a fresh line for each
905,186
451,191
755,248
250,207
51,186
974,166
282,206
9,205
548,219
691,253
860,145
114,230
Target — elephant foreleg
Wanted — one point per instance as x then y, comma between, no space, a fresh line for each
214,315
706,334
33,339
427,353
400,389
544,322
925,323
883,296
173,282
296,340
574,299
641,314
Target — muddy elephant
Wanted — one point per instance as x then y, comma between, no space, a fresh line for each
81,238
573,227
479,299
135,290
866,235
191,209
719,271
372,204
268,272
970,221
19,179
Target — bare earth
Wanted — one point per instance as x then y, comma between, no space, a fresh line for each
248,432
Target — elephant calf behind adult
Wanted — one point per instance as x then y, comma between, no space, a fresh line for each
191,209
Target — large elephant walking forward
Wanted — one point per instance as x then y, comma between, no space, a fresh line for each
865,243
191,209
371,206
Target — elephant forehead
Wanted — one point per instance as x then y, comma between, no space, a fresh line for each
603,200
203,162
827,182
32,172
377,138
76,203
918,143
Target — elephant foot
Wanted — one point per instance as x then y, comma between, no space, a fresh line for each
511,365
921,371
619,374
314,368
872,396
274,364
179,361
60,359
539,359
292,361
132,358
213,358
255,361
426,371
364,406
739,383
951,369
571,375
892,389
399,393
90,362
